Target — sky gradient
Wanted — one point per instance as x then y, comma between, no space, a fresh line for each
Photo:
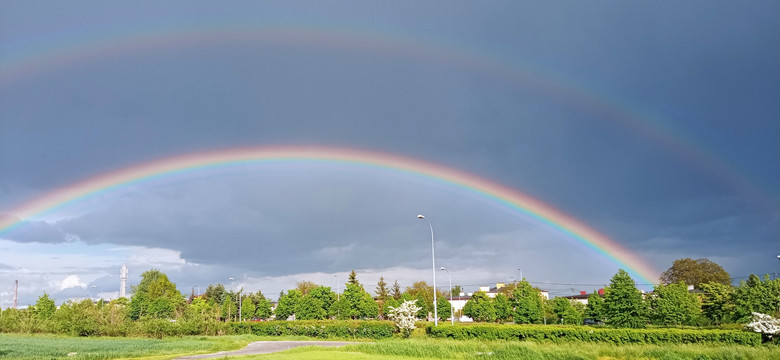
655,125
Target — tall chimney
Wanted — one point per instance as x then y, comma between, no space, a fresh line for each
123,281
16,292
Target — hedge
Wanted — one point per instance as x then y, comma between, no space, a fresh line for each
318,328
555,333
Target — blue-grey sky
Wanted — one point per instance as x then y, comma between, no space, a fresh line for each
655,124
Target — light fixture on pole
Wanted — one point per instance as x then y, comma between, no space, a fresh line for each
452,309
433,258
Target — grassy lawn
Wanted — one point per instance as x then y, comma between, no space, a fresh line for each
473,349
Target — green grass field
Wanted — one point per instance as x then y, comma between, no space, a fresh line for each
34,347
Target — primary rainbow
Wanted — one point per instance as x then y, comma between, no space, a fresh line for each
506,196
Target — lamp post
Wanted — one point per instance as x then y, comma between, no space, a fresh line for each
433,269
452,308
238,316
101,291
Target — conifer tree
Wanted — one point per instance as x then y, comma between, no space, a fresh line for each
623,303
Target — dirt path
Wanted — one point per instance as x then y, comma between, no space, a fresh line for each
265,347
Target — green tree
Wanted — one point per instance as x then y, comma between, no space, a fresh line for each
356,303
396,291
758,296
623,303
288,303
305,286
382,292
528,303
45,307
310,308
77,318
503,307
353,278
718,302
695,272
480,307
155,296
566,312
595,308
248,307
263,309
673,305
456,290
215,294
229,309
443,308
390,303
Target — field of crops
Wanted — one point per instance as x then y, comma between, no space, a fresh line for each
35,347
29,347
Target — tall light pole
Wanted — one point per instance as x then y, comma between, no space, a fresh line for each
452,308
433,259
338,287
101,291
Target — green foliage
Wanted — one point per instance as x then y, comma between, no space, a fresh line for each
353,278
215,294
263,309
320,329
391,302
77,318
247,308
155,296
527,302
695,272
382,293
562,333
503,307
443,308
717,302
480,307
395,291
673,305
758,296
310,308
288,303
566,312
229,309
305,286
45,307
623,303
356,303
595,308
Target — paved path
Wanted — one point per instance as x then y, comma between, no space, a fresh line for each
265,347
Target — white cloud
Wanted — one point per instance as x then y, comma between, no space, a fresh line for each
72,281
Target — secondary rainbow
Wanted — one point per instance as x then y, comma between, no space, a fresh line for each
25,59
493,191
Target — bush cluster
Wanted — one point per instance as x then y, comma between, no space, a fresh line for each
318,328
601,335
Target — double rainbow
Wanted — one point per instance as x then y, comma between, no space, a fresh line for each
463,181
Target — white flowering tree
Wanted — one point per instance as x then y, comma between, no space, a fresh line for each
404,316
765,324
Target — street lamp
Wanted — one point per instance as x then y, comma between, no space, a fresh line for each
101,291
433,269
338,287
239,315
452,308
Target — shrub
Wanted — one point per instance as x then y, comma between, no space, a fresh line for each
557,334
318,328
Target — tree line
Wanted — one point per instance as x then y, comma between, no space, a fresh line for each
714,301
711,301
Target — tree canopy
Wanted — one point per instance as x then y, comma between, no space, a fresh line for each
695,272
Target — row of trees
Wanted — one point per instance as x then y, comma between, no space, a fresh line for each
623,305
